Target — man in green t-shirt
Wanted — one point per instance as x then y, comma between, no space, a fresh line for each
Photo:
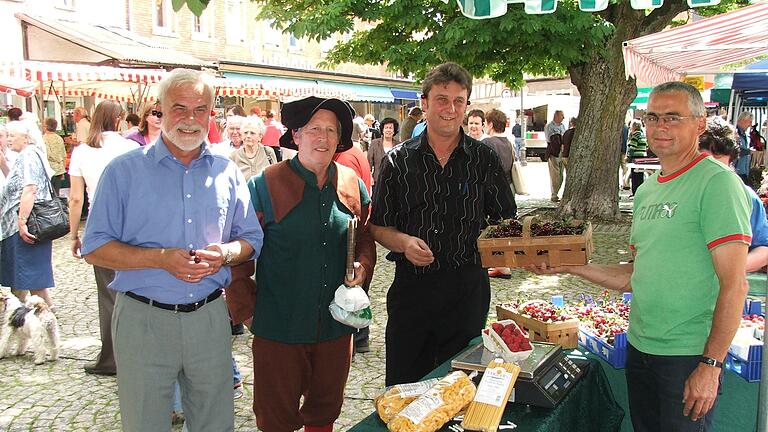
690,233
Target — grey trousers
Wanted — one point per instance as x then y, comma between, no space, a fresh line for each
155,347
106,298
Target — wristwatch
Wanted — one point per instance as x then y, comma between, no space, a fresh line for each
712,362
228,257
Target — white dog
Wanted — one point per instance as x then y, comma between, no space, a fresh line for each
24,323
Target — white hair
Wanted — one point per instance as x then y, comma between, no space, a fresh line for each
201,81
254,122
35,139
238,120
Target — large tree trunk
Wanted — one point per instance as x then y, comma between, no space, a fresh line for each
592,186
592,183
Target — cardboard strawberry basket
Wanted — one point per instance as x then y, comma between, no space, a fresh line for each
494,343
522,251
564,333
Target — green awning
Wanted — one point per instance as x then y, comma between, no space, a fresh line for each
482,9
723,96
641,100
362,92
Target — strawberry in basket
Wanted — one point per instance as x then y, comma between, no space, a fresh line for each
507,339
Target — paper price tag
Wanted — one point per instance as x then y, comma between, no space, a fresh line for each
416,389
493,387
419,409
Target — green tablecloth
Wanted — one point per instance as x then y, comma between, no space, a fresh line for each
590,406
599,401
736,407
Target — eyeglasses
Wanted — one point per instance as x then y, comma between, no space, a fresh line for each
668,119
156,113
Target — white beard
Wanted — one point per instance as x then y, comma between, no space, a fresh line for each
183,141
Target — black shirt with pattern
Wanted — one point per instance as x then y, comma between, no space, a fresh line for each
447,207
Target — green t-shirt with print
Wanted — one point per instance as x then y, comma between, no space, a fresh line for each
678,220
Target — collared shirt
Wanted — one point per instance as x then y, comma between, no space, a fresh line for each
27,169
56,152
553,128
272,133
444,206
148,198
82,128
250,166
303,261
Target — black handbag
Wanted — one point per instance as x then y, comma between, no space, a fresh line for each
48,220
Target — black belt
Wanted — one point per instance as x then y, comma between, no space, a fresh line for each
189,307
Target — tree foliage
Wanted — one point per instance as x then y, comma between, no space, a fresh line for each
412,36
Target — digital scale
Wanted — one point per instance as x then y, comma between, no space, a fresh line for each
546,376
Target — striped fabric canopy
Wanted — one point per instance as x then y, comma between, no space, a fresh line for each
46,71
700,47
481,9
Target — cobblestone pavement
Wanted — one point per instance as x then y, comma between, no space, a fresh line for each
59,396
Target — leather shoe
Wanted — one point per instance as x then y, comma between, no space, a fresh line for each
498,274
92,369
237,329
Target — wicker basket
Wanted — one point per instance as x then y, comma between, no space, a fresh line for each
525,250
563,333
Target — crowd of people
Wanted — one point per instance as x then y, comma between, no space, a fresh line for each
191,234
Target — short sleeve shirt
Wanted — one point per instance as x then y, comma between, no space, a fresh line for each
678,220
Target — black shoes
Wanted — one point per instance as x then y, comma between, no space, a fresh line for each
92,369
238,329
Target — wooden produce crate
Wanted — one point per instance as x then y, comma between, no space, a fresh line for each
563,333
525,250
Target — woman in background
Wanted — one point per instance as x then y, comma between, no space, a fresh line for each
380,146
149,125
88,161
25,264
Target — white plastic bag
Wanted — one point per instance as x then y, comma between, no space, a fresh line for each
351,306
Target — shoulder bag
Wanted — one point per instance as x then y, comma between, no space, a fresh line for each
518,181
48,220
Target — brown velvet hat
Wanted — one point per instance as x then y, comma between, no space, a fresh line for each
296,114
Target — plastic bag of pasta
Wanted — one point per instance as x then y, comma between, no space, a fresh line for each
430,411
397,397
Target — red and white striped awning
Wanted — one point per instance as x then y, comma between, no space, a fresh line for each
700,47
121,84
47,71
277,88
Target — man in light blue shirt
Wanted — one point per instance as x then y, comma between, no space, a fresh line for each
171,218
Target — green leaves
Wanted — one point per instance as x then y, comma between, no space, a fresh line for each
195,6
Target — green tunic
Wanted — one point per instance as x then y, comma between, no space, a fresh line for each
302,261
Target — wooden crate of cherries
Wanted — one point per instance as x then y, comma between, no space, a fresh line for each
516,243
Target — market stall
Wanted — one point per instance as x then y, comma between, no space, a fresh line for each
703,46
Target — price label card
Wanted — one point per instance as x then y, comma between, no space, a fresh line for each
493,387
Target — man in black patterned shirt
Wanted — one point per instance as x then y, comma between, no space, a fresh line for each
436,192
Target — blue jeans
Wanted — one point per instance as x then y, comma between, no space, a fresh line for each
655,385
235,372
177,398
